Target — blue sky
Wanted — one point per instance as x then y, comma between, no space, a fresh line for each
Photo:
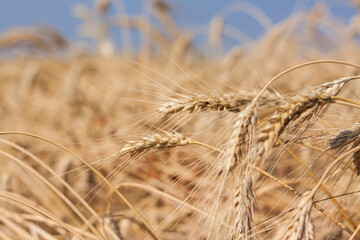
186,12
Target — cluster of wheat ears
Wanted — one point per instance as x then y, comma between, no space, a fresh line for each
168,144
252,143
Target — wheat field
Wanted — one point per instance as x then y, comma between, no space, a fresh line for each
168,141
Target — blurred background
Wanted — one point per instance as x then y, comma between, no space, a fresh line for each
114,26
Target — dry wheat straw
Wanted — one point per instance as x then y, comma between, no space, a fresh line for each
120,195
241,156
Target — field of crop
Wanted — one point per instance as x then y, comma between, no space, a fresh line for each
173,141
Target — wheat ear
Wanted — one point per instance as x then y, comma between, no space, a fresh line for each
153,141
301,225
235,156
215,102
345,138
242,132
290,110
244,209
